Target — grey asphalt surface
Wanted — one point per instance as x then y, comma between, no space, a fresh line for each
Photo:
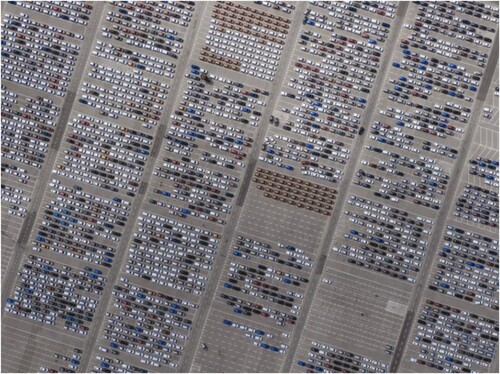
343,190
207,300
39,190
229,230
137,205
441,220
46,172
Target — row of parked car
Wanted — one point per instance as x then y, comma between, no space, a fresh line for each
478,204
144,324
105,155
70,363
172,253
55,294
325,358
468,267
485,168
451,340
245,39
330,88
28,127
296,192
384,239
412,143
257,282
76,12
206,146
37,55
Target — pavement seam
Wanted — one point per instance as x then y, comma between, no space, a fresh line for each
123,246
343,189
45,173
442,217
238,209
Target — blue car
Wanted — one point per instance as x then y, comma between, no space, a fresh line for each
227,322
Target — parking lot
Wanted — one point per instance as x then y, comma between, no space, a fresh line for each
352,305
34,80
257,186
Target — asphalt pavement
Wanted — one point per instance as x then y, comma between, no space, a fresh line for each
343,190
137,205
229,230
441,219
46,172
